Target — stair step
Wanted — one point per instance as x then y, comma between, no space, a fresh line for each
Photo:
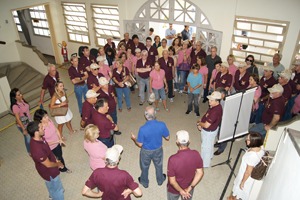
26,77
14,73
37,80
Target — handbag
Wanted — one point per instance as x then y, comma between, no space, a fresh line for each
184,67
260,170
61,111
131,80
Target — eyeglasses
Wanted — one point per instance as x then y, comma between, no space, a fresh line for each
247,59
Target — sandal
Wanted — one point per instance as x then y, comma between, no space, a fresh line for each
120,109
167,109
157,109
129,109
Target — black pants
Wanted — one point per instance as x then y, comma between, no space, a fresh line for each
206,89
170,88
57,151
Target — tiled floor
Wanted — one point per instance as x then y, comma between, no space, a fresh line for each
20,180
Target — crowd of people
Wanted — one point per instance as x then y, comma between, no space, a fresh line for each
158,69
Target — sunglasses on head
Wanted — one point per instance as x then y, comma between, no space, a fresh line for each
247,59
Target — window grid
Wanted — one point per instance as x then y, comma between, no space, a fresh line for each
17,21
260,37
106,23
76,22
39,21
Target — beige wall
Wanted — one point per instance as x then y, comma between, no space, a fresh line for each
220,14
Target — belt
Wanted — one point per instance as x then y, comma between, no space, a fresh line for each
80,84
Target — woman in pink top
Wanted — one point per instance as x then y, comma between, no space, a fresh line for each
95,148
20,109
126,62
254,82
121,48
183,59
203,69
232,67
214,74
158,85
104,69
51,136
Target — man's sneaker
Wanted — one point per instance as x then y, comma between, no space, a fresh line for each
165,176
187,112
145,186
141,103
180,91
175,90
171,100
117,132
197,114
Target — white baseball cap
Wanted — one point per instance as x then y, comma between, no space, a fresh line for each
94,66
215,96
182,137
101,59
269,68
91,94
287,74
225,64
240,64
276,88
103,81
114,153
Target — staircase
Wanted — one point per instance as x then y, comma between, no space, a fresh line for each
28,80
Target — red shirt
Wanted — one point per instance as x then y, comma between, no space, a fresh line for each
77,73
274,106
140,64
223,81
152,52
183,166
287,92
87,111
104,124
128,43
214,117
49,83
133,47
110,97
40,151
120,76
195,55
112,182
92,79
241,83
167,66
265,84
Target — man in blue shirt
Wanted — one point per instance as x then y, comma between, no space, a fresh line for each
185,33
170,35
150,141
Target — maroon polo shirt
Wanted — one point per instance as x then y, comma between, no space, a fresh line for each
140,45
194,55
104,125
295,82
287,92
214,117
265,84
92,79
87,112
241,83
128,44
140,64
86,61
76,73
120,76
152,52
113,46
183,166
110,97
167,66
49,83
223,81
40,151
112,182
274,106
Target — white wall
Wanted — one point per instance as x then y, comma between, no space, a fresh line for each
220,13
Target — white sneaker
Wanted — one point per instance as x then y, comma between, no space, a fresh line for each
180,91
160,100
175,90
171,100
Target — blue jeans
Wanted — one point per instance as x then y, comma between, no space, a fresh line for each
80,91
114,116
26,140
55,188
259,128
172,196
182,77
144,82
193,99
207,145
109,142
259,112
159,93
146,156
126,92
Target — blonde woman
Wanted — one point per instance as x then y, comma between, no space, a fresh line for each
59,99
94,147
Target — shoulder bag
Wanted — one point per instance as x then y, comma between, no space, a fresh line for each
60,111
260,170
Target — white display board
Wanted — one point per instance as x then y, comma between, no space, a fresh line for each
231,112
283,178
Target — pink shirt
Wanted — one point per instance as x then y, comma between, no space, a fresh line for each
204,71
157,79
51,135
232,69
256,97
105,71
134,60
96,151
21,108
296,107
128,64
213,76
181,55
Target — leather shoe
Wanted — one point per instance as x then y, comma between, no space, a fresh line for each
216,145
139,178
165,176
117,132
217,153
